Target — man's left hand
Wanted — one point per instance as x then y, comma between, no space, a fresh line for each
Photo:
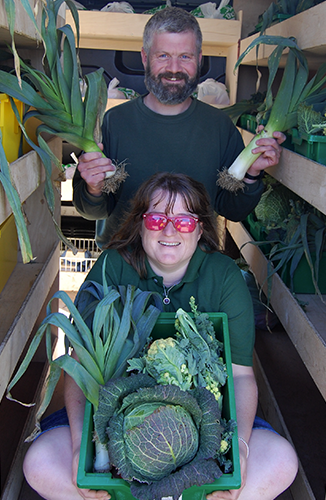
270,150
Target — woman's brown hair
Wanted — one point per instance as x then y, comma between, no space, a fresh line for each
127,239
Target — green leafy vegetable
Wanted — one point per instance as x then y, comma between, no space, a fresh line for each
112,326
281,110
310,121
192,359
294,229
161,439
16,207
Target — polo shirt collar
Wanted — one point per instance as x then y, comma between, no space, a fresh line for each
192,272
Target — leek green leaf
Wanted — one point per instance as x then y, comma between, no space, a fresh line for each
15,204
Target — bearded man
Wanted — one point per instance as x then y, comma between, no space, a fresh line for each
168,130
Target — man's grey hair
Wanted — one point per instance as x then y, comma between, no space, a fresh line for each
171,20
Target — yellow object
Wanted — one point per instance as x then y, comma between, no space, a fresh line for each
30,126
11,133
8,249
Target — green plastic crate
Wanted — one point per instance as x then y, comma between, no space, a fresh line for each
118,488
248,122
255,229
310,146
302,280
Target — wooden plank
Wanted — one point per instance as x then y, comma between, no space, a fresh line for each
300,488
20,309
15,477
25,32
231,77
308,30
303,176
119,31
305,336
27,174
26,36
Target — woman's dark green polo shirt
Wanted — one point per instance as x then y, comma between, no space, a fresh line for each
214,280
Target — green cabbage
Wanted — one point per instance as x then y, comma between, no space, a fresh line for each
162,439
274,206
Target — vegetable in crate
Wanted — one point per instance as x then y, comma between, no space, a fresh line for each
192,359
161,439
114,325
169,436
293,90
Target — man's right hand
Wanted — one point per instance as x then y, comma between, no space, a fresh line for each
92,168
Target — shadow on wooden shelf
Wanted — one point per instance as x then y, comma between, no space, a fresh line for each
290,399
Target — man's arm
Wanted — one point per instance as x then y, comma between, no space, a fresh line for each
88,198
237,206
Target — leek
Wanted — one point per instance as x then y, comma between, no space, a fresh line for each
114,325
15,204
54,95
293,90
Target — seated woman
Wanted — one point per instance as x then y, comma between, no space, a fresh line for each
168,244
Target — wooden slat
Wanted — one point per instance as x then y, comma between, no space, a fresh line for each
26,35
300,488
15,477
20,304
27,174
308,30
119,31
303,176
305,336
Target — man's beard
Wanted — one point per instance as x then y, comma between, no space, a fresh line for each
171,93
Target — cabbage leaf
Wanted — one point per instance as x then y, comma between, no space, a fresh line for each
162,439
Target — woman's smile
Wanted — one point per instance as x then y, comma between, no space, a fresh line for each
169,250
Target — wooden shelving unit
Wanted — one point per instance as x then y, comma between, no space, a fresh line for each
305,327
306,28
118,31
30,286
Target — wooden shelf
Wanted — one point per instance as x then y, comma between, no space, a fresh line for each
308,30
307,334
25,32
27,174
26,36
304,177
119,31
22,299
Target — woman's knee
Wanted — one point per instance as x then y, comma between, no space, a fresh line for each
275,456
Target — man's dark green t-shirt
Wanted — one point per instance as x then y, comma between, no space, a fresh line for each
199,142
214,280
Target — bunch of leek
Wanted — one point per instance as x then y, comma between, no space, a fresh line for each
120,322
54,94
293,90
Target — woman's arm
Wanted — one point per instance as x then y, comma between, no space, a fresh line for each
246,397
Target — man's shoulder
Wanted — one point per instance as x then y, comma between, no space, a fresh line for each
125,107
210,110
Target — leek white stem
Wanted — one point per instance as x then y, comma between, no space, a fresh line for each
232,178
246,158
101,462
